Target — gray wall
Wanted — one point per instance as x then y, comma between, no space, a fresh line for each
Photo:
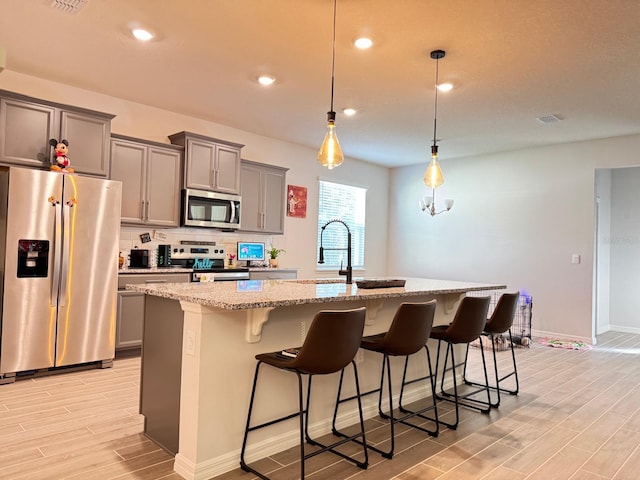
518,219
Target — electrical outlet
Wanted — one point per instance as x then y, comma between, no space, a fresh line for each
190,347
303,332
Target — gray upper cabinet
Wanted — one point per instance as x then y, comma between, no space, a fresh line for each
150,176
263,190
210,164
27,124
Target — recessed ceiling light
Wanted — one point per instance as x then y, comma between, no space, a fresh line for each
445,87
349,111
266,80
363,43
142,34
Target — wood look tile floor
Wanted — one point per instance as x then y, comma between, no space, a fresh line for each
577,417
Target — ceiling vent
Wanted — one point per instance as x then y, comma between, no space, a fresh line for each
69,6
549,119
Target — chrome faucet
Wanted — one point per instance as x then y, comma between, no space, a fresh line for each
349,270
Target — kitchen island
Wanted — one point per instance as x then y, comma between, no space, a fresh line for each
198,360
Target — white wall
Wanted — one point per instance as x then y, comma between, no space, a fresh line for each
625,250
518,218
299,241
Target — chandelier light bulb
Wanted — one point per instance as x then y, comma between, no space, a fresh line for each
330,154
433,177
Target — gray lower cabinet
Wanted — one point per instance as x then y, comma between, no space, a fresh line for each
150,176
27,124
210,163
263,190
275,274
131,305
129,320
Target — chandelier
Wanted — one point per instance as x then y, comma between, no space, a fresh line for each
433,177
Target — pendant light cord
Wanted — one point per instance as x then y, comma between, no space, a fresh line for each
435,107
333,59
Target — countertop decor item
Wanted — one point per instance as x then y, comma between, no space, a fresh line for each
380,283
273,256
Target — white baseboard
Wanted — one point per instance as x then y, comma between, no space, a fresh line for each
348,416
561,336
620,328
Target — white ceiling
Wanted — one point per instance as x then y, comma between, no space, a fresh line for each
510,61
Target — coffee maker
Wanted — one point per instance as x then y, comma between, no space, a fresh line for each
164,255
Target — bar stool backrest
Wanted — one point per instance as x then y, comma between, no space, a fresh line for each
332,341
502,317
469,320
410,328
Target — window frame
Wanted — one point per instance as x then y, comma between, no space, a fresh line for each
358,229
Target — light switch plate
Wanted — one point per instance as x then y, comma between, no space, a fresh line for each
575,258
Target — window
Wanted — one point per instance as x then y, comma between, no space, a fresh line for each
346,203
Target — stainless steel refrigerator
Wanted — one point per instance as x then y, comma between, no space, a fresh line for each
59,239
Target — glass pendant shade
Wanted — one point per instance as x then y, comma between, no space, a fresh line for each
330,154
433,176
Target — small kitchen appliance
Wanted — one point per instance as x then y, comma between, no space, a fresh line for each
139,258
164,255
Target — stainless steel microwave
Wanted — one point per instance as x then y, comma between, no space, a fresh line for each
201,208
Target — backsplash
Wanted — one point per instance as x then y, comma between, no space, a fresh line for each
130,238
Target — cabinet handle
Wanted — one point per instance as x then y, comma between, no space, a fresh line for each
147,214
215,177
155,281
262,220
142,210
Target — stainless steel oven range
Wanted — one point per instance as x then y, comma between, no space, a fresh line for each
207,261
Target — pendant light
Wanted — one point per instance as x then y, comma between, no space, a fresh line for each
433,177
330,154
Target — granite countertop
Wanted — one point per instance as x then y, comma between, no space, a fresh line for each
247,294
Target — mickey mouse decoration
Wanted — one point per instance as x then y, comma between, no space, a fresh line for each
62,161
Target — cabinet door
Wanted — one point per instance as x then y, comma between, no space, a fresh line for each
128,166
25,130
163,187
130,319
88,142
251,191
273,197
227,174
200,164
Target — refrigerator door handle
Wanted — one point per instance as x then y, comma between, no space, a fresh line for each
65,257
55,285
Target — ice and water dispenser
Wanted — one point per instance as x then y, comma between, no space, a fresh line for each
33,258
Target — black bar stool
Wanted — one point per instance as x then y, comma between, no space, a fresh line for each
331,344
500,322
467,326
408,334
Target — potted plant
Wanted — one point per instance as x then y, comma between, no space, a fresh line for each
273,256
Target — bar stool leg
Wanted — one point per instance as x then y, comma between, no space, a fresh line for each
346,438
497,388
243,464
419,413
456,398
